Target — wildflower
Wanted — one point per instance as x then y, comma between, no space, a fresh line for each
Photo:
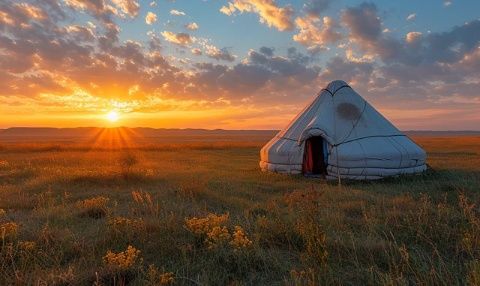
4,164
205,225
123,260
217,236
240,239
27,245
8,229
125,225
144,205
94,207
167,278
303,277
155,277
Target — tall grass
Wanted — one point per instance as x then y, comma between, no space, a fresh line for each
208,216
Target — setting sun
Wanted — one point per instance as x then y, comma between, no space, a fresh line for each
113,116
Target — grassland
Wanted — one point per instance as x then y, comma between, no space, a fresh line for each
203,214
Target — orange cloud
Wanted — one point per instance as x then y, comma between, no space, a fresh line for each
150,18
268,11
182,39
192,26
315,33
413,37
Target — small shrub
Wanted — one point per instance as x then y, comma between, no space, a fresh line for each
144,205
218,236
120,268
167,278
204,225
8,230
214,233
125,227
123,260
4,164
95,207
128,160
155,277
303,277
240,239
27,245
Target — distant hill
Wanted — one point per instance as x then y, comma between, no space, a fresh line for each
32,135
428,133
85,132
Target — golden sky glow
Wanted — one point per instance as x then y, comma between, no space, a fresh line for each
171,64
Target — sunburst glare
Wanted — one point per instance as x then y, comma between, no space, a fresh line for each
113,116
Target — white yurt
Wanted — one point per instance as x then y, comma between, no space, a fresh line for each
341,135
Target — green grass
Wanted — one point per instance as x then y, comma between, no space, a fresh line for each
411,230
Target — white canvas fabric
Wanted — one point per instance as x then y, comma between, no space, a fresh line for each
361,143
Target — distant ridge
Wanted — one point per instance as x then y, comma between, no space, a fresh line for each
442,133
140,131
163,132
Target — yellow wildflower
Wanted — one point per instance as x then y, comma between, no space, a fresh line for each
124,225
94,207
123,260
8,229
240,239
217,236
167,278
27,245
4,164
204,225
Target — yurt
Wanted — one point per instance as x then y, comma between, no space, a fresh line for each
340,135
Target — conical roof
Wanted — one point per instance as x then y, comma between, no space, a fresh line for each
340,114
359,142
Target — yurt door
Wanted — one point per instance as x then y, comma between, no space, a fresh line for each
313,158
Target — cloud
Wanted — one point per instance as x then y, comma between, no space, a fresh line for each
268,11
411,17
447,3
150,18
260,72
129,7
363,22
196,51
413,37
192,26
315,33
316,7
177,13
182,39
52,62
219,54
81,33
349,71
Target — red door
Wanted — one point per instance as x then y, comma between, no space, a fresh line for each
313,158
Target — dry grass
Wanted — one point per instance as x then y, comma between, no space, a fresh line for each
203,214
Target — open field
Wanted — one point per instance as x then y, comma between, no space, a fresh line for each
203,214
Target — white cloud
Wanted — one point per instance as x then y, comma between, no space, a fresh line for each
181,39
413,37
269,12
192,26
150,18
411,17
196,51
177,13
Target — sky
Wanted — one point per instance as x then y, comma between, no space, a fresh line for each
235,64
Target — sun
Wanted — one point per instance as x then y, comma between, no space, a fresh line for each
113,116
